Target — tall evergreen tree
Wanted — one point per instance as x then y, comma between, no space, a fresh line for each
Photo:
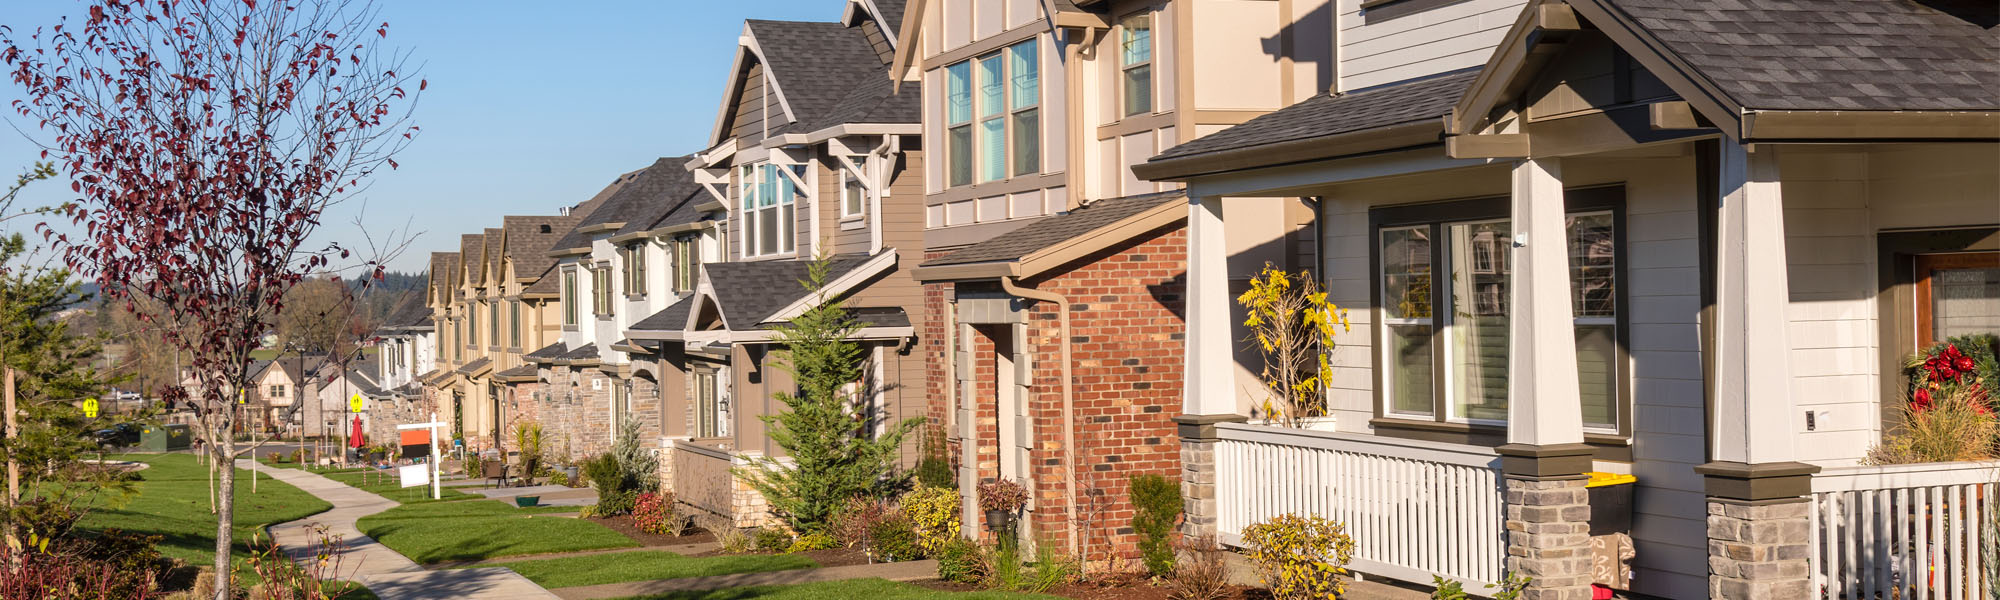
832,453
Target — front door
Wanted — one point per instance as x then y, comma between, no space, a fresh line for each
1957,294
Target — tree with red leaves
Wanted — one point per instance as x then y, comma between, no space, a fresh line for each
205,139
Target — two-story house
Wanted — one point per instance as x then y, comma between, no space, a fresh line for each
1693,242
406,349
610,274
1054,276
816,152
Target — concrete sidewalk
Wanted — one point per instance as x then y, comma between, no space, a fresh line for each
386,572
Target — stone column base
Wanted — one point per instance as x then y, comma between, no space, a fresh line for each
1548,536
1758,524
1198,439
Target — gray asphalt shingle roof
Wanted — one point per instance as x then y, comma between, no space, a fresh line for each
584,352
599,209
749,292
1019,243
830,75
549,352
529,239
1834,54
672,318
1333,114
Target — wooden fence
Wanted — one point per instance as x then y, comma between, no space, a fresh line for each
1916,532
1415,509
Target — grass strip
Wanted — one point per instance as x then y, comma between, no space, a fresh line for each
871,588
648,565
479,530
172,502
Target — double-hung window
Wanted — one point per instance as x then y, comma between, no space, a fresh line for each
1135,62
514,324
854,195
768,196
635,270
600,291
685,263
1443,272
569,299
993,116
493,322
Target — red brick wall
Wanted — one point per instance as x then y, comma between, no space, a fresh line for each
1126,347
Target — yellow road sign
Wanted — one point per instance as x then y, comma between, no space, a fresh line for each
354,404
90,408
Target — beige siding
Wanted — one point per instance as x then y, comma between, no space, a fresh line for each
1400,41
748,124
877,40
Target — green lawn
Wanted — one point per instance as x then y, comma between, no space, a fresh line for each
388,486
479,530
173,503
872,589
349,590
648,565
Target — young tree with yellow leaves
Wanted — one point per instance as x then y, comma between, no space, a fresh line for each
1292,324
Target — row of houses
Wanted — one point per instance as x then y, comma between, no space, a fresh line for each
1689,241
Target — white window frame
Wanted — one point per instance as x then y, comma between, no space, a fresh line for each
854,195
1125,108
1008,116
759,179
570,301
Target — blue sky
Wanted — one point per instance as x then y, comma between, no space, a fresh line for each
531,106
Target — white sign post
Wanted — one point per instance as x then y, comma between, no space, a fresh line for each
437,488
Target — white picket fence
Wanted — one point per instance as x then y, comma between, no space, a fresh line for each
1914,532
1415,509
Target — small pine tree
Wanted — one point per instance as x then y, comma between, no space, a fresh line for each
824,429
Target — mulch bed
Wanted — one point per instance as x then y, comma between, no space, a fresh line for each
1116,587
625,525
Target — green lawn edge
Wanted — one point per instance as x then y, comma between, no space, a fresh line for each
436,532
647,565
870,588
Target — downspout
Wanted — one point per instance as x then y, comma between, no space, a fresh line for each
1068,407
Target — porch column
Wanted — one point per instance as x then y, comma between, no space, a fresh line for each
1548,511
1209,374
1757,494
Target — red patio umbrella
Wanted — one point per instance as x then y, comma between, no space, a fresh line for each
354,440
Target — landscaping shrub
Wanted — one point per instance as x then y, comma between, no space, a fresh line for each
299,456
772,539
731,538
934,513
1447,589
812,541
1955,424
934,470
894,539
1051,569
530,443
653,512
856,518
1156,508
959,561
306,579
41,575
612,499
615,503
1201,573
638,468
1300,557
559,478
135,560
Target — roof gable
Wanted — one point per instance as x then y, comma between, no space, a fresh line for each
1773,69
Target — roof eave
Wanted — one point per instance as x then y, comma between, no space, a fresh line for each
1389,137
1870,126
967,271
1041,261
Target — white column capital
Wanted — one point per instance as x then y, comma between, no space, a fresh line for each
1210,368
1544,406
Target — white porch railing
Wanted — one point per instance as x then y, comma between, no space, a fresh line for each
1904,531
1415,509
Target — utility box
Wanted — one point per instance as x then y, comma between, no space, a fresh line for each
165,438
